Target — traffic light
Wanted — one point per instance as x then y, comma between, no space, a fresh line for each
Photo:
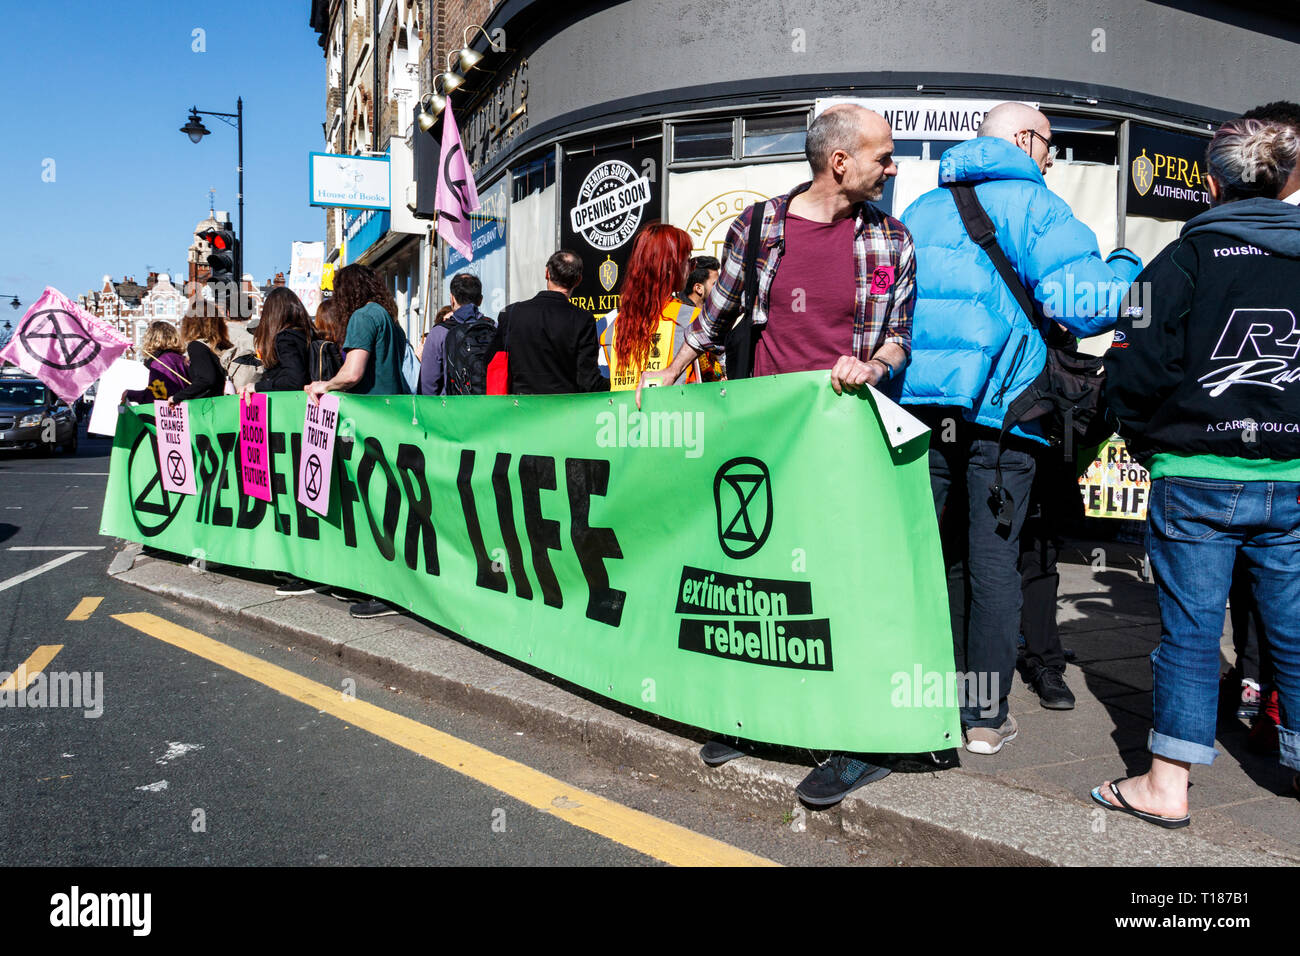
223,263
222,259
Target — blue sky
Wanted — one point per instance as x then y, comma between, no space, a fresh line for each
102,89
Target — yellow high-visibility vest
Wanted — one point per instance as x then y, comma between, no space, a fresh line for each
660,355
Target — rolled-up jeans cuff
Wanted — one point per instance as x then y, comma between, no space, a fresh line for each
1184,750
1288,742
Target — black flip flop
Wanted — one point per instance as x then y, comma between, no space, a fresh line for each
1169,823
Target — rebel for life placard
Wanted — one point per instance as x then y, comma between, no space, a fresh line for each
254,457
606,198
175,460
319,426
777,604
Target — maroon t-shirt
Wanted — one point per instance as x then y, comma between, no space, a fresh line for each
812,301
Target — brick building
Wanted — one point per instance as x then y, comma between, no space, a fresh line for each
381,57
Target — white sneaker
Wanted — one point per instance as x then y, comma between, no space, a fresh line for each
989,740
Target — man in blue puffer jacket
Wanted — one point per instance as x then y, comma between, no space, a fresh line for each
974,351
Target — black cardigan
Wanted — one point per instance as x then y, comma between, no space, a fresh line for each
290,373
207,378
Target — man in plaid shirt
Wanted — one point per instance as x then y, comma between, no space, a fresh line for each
836,287
836,277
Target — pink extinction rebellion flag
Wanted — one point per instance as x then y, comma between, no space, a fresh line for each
63,345
456,196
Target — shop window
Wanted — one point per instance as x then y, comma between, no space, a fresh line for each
922,148
711,140
775,135
532,177
1085,139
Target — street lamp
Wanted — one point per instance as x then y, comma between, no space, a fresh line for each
13,303
451,80
437,103
195,130
468,58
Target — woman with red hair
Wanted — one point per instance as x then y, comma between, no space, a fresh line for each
650,324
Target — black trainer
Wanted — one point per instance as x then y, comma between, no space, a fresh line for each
1049,684
836,779
289,586
717,752
368,609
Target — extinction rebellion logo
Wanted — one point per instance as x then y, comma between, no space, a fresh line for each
742,617
154,508
74,345
742,497
609,205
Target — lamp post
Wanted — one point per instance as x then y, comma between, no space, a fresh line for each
195,130
13,303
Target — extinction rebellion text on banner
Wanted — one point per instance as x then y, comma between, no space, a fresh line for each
607,556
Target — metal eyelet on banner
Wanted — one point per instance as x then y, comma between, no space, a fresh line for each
723,393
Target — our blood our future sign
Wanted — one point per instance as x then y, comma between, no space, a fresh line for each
175,459
254,455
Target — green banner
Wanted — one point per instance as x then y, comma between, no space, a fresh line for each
754,557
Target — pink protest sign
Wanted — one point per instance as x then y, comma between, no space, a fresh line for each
175,459
254,456
314,467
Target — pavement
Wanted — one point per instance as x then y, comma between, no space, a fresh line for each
1027,805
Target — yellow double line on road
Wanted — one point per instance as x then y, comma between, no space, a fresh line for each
632,828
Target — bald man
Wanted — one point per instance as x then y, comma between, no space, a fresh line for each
975,351
836,285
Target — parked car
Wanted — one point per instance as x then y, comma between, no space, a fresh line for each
32,416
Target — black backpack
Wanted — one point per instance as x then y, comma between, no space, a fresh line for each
741,340
324,360
1067,393
466,353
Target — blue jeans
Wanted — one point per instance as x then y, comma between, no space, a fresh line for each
985,628
1196,527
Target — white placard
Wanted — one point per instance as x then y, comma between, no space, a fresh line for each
931,117
122,376
305,264
358,182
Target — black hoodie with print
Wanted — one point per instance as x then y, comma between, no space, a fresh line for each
1206,357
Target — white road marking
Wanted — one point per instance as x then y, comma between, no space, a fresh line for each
47,566
154,787
59,547
176,749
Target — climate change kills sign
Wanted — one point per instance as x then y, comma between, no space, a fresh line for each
175,459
